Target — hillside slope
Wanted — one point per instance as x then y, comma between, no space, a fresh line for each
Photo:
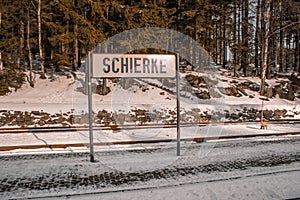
204,97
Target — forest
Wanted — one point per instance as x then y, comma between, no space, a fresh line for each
261,35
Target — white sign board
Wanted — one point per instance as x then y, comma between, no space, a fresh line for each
134,65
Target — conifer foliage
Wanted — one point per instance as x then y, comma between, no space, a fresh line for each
55,34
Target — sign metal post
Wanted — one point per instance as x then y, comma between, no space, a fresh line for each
178,104
89,63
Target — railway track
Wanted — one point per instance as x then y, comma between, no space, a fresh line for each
34,131
129,126
128,142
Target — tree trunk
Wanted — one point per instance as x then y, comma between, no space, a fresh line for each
220,42
239,33
1,63
271,38
296,53
216,42
288,47
21,47
43,76
265,48
208,44
280,38
31,78
257,38
75,56
234,40
76,63
223,41
245,51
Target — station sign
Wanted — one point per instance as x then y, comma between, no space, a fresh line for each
133,65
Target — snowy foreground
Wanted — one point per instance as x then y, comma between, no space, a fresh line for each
253,168
253,187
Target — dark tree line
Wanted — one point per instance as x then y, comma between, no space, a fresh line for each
255,37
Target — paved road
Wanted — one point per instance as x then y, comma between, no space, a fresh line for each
146,166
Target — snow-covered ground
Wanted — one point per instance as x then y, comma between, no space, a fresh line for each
253,168
268,186
263,168
101,137
62,93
